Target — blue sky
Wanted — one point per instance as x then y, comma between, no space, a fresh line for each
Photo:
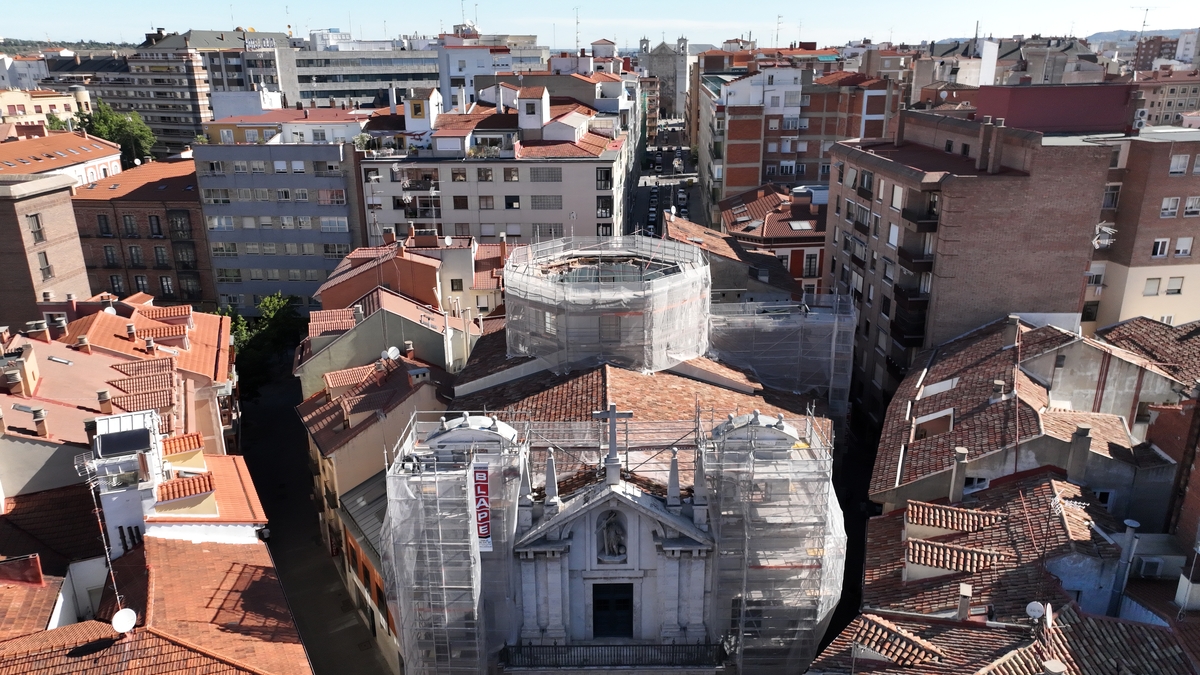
623,20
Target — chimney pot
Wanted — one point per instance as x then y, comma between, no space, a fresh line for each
1054,667
131,331
81,343
47,296
964,601
358,314
105,400
150,344
39,420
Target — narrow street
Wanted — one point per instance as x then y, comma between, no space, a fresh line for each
275,446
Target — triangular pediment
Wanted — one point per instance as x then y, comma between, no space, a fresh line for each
598,497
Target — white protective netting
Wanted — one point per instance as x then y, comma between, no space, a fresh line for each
635,302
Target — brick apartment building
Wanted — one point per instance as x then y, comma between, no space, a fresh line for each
39,245
1152,200
1151,48
777,125
143,232
944,230
1169,94
789,225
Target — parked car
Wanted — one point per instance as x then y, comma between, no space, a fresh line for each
658,168
683,213
653,200
654,189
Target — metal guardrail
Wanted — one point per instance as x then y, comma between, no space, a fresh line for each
611,656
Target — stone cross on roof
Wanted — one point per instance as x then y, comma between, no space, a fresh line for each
612,465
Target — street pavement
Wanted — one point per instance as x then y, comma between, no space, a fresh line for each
276,447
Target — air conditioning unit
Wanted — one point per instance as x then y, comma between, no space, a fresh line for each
1139,124
1149,568
1142,113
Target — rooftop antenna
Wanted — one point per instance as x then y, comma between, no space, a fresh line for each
778,22
577,30
462,6
1145,18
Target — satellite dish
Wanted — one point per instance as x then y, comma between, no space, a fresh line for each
124,620
137,162
383,354
396,167
1035,610
109,310
393,353
449,241
944,95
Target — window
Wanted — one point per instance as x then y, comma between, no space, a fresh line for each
773,123
255,274
1183,247
888,270
240,167
1179,165
1196,166
308,249
102,224
512,176
331,197
1174,285
258,166
34,223
300,194
1160,248
228,276
456,285
545,174
291,249
772,147
966,150
1151,287
165,285
135,255
250,248
215,196
336,251
512,229
266,222
272,275
885,306
287,222
881,340
160,255
141,284
280,166
223,249
893,235
1170,207
949,146
227,135
512,202
604,229
110,255
604,179
486,202
1091,310
1112,195
283,195
460,202
129,226
791,99
298,166
312,275
116,284
530,108
334,224
222,223
1191,207
318,136
483,175
487,229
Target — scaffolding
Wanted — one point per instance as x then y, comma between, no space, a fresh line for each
780,537
806,348
635,302
432,558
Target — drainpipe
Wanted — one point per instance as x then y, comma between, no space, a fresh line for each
1128,546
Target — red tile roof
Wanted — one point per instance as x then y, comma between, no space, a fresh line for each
173,445
908,645
168,180
897,644
179,488
768,212
59,525
348,377
326,420
151,400
725,246
167,312
950,557
331,321
531,92
290,115
589,145
55,152
144,383
946,517
27,608
1176,349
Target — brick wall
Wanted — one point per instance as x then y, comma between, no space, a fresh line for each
21,282
1170,430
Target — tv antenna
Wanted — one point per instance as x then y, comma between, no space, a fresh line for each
778,23
1145,18
577,30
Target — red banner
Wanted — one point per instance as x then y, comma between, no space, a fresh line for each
483,506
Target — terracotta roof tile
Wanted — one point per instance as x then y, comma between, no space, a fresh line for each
898,645
348,377
172,330
330,321
173,445
168,312
325,419
27,608
949,556
179,488
150,400
950,517
42,640
144,383
207,353
164,364
59,525
1176,349
54,152
958,647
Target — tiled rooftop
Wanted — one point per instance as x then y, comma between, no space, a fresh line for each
1176,349
59,525
54,152
946,517
330,321
178,488
768,212
174,445
726,246
230,482
169,180
326,419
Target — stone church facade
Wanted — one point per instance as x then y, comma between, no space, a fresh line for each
670,65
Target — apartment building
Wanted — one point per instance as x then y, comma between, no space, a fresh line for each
40,255
1154,47
143,232
21,71
916,224
1169,94
651,103
280,212
32,107
521,165
1143,264
786,224
776,125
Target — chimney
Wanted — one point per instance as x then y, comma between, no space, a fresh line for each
392,97
149,345
37,330
997,391
39,421
986,131
47,296
131,331
82,344
389,235
964,602
1128,547
58,327
408,348
1054,667
503,248
993,147
1012,329
5,334
1081,446
958,475
305,113
89,428
106,406
358,314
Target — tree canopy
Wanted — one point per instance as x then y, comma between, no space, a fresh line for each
258,340
126,129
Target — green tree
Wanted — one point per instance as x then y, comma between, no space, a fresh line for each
55,123
259,342
125,129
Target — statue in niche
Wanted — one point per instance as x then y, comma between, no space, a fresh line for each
611,539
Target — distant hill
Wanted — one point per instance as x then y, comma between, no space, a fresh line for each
14,46
1131,35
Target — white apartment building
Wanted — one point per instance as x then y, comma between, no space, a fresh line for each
518,165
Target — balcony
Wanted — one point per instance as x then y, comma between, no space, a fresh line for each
896,369
187,265
862,227
859,262
911,299
908,328
181,235
915,262
335,174
865,193
925,219
612,656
